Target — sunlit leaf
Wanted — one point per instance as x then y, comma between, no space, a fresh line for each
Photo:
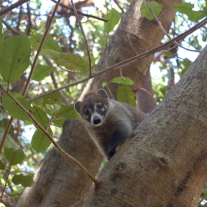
14,58
41,72
14,156
113,16
196,15
72,62
126,95
13,109
66,112
123,80
155,7
40,116
24,180
58,122
40,142
48,44
183,7
187,8
51,54
104,84
51,99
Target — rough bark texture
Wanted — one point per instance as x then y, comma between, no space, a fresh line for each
60,182
143,35
145,99
164,162
55,184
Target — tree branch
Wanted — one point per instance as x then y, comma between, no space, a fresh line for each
50,138
129,61
15,5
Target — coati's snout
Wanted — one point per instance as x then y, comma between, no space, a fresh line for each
96,120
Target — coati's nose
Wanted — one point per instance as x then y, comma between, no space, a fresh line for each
96,120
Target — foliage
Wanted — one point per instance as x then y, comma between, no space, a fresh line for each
63,61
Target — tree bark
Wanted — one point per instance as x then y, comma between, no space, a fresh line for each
164,162
145,99
60,182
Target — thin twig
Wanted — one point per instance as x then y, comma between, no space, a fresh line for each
51,139
165,32
5,134
79,12
84,37
29,25
143,89
131,60
54,80
39,49
16,32
117,3
6,180
80,200
15,5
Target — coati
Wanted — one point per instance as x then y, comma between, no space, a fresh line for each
107,121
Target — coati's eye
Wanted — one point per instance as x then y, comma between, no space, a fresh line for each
99,105
86,112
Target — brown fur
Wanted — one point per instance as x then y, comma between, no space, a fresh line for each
108,122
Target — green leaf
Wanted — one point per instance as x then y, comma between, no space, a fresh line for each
113,16
14,156
24,180
126,95
4,124
183,8
9,141
51,99
58,122
51,54
196,15
48,44
104,84
2,165
41,72
72,62
3,114
205,191
40,142
40,116
1,35
14,58
13,109
187,8
123,80
155,7
66,112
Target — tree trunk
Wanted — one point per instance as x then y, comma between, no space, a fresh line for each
60,182
145,99
164,162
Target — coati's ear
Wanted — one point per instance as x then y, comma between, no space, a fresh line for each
77,106
102,93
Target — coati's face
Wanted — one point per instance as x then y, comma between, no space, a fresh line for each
94,107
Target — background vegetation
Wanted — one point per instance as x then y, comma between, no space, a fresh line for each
46,59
